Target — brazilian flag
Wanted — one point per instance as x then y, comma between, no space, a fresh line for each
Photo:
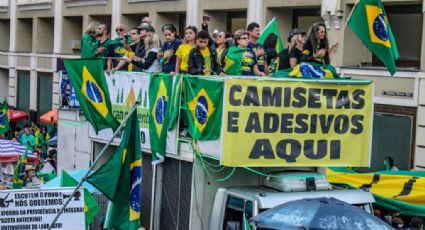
4,117
233,61
203,106
370,23
90,205
175,101
88,79
160,88
19,173
119,179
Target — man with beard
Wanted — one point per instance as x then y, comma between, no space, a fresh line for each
102,34
253,30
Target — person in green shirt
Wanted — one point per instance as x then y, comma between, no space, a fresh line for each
28,140
89,44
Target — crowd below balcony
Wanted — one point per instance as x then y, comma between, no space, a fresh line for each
201,52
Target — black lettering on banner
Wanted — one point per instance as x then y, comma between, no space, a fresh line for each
358,96
322,149
271,122
335,147
287,97
357,121
326,122
232,99
314,98
342,124
251,97
286,125
270,98
301,120
291,155
142,137
253,123
262,147
343,100
330,94
313,123
232,122
299,95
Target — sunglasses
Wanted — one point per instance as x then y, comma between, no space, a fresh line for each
243,38
119,30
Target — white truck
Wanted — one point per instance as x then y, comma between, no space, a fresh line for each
231,204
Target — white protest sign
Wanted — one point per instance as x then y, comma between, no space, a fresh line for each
36,208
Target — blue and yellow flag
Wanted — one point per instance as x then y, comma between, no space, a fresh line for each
370,23
119,179
19,173
203,106
88,79
160,88
4,117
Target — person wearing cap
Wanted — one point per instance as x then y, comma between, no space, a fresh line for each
291,56
316,48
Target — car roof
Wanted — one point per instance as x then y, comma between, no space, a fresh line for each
268,197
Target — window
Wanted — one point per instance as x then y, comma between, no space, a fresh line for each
236,210
44,93
304,18
406,25
23,98
235,21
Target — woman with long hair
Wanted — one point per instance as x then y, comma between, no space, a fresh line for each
182,53
149,62
169,48
316,48
89,43
222,43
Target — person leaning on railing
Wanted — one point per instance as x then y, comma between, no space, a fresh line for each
203,59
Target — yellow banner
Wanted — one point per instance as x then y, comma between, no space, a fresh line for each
297,123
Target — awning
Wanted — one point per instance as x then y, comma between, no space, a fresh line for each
49,116
17,115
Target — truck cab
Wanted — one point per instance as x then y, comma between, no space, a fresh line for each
232,204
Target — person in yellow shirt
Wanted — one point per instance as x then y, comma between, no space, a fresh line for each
183,51
203,59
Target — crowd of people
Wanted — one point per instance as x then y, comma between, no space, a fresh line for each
399,222
199,52
34,138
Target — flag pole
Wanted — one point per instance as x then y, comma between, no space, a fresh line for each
133,109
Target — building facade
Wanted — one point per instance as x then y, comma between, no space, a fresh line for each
35,33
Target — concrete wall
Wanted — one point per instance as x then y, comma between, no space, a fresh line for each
4,84
74,146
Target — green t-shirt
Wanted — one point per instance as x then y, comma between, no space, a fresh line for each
89,46
28,142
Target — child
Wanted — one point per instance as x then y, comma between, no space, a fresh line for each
203,59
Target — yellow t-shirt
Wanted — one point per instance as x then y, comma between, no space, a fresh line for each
206,54
183,53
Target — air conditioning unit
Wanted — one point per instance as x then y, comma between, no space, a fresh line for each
298,181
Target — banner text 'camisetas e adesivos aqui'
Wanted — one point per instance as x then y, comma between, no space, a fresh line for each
297,123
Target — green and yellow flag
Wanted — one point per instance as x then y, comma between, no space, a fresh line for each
19,173
4,117
370,23
119,179
175,101
160,88
203,106
90,205
88,79
233,61
272,28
